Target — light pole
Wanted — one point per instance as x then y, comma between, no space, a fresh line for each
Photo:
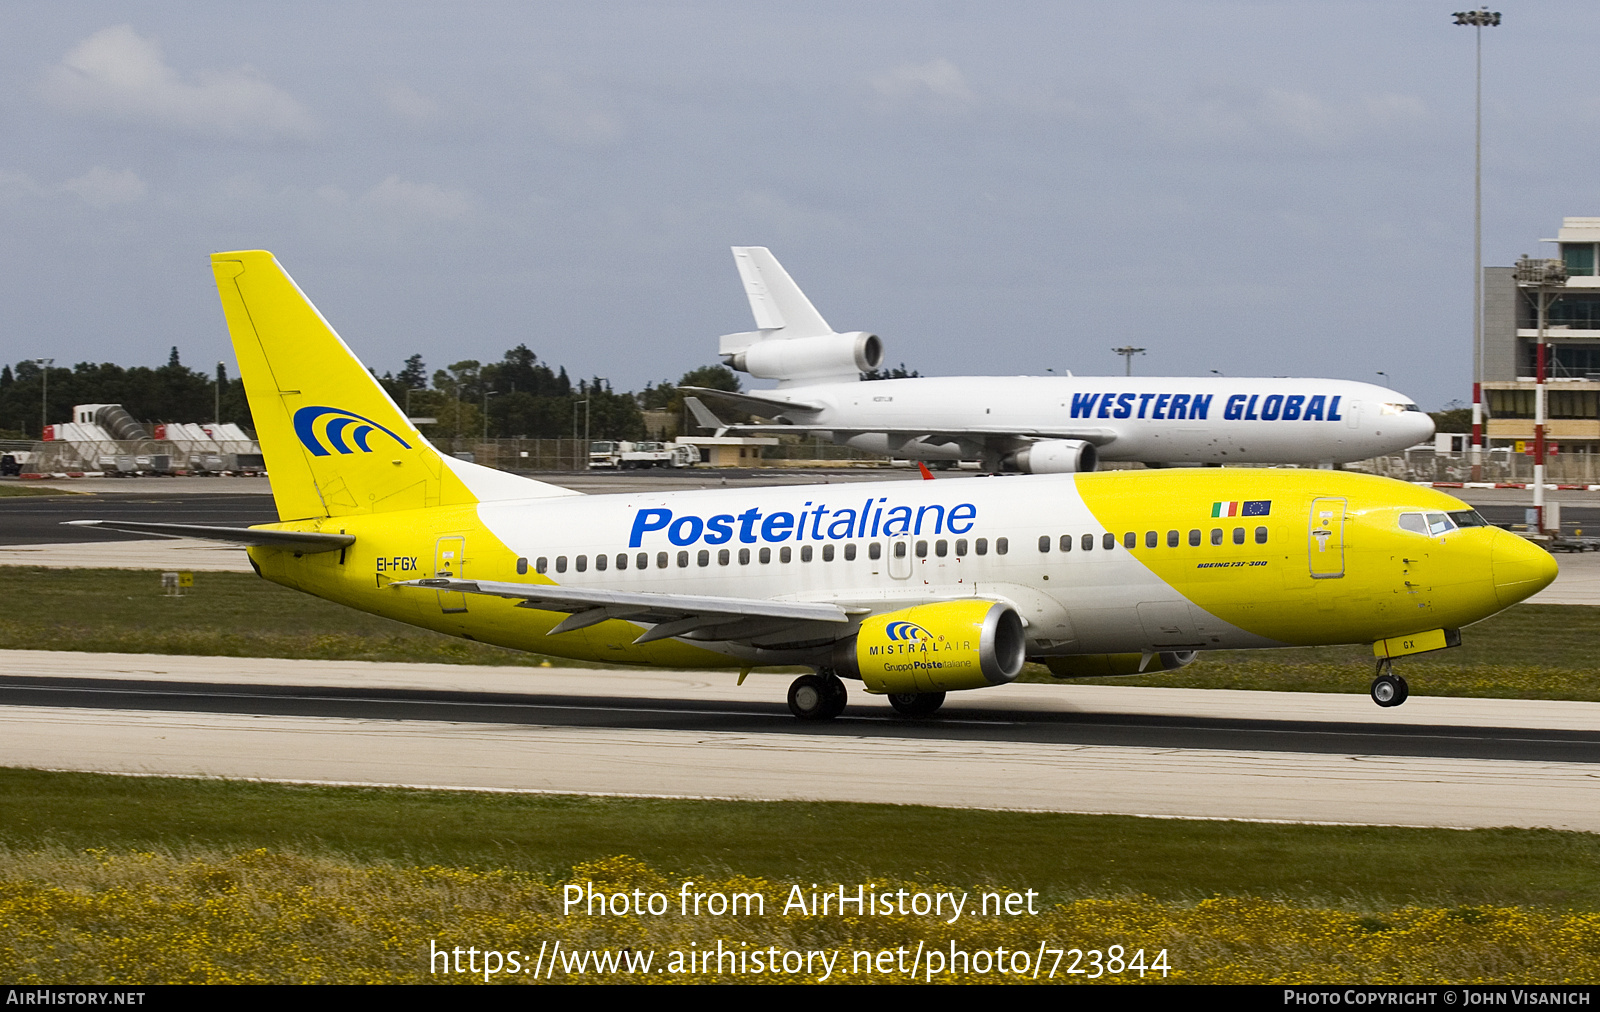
1542,276
1479,20
44,365
486,395
1127,352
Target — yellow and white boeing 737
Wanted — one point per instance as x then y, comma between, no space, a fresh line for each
912,588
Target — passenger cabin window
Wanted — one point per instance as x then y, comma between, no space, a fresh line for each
1130,539
1066,542
1088,542
1172,539
899,549
1238,535
922,549
600,563
849,552
1108,541
541,565
641,561
827,553
875,550
941,548
744,556
765,556
981,546
1216,535
683,560
1194,539
561,563
1044,542
581,563
785,554
622,560
1150,539
703,558
1001,545
723,557
1261,535
522,567
961,547
661,560
805,553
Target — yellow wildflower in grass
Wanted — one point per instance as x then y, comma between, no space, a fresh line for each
271,916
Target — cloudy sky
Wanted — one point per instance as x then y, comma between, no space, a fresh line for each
1258,188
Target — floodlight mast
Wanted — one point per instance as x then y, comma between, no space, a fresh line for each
1478,19
1127,352
1543,277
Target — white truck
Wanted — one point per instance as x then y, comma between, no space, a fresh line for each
622,455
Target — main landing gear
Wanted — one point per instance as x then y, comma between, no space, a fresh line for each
817,697
916,704
1388,689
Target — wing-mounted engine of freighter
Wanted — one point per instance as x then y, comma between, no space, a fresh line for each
1054,456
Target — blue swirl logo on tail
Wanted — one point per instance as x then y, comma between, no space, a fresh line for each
340,430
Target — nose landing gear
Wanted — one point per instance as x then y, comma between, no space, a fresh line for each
817,697
1388,688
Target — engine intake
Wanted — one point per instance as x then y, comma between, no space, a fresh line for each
935,648
810,357
1055,456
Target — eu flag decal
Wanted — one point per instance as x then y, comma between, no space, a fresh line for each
1248,508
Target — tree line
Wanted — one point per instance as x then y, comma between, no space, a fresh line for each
524,397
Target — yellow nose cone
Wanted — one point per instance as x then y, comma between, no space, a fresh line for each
1521,569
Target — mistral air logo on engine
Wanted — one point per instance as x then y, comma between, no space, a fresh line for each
340,429
819,522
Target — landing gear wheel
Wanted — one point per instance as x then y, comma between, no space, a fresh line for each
916,704
817,697
1389,689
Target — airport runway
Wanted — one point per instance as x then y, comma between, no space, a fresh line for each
1297,757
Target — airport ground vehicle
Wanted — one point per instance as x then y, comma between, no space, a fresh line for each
914,588
623,455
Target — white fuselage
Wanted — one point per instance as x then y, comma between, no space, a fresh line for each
1152,419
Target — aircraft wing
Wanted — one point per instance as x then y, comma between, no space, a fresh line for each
669,615
758,402
1095,435
304,542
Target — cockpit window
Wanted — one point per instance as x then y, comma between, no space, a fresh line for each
1469,518
1398,409
1438,523
1413,522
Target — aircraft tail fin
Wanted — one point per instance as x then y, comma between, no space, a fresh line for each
703,416
335,443
781,309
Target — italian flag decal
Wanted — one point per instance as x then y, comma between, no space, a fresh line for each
1247,508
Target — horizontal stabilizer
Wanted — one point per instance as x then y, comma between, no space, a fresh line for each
298,541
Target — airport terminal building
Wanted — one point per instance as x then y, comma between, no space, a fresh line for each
1510,333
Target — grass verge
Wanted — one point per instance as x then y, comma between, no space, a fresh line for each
147,880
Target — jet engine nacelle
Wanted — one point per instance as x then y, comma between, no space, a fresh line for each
810,357
1108,665
1056,456
935,648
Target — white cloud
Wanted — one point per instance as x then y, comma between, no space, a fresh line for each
101,187
418,200
118,74
408,103
570,116
937,86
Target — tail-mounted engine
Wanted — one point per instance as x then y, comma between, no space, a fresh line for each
810,358
935,648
